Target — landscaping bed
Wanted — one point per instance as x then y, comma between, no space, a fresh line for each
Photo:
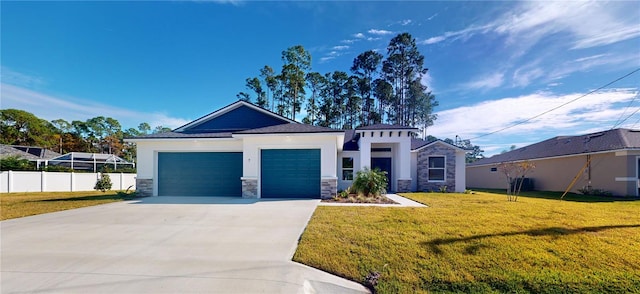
354,198
480,243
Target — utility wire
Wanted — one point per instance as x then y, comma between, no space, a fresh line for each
638,109
618,122
557,107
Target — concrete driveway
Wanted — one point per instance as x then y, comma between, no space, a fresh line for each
164,245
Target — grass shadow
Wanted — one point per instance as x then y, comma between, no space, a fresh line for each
434,244
573,197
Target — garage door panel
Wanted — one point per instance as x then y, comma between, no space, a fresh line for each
290,173
199,173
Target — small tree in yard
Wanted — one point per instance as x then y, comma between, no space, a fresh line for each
104,183
515,173
370,182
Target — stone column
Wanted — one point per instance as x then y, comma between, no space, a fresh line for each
249,188
328,188
404,185
144,187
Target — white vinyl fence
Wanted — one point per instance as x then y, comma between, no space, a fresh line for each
37,181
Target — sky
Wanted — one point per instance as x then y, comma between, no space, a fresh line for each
503,73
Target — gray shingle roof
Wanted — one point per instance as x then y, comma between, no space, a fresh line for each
177,135
289,129
610,140
385,127
27,152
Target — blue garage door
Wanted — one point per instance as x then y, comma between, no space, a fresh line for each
199,173
290,173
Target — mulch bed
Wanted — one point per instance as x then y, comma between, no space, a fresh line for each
353,198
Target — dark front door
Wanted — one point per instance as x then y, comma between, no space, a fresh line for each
384,164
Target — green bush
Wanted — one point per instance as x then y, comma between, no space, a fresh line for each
57,168
15,163
104,183
370,182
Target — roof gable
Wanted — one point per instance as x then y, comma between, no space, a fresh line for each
419,144
238,116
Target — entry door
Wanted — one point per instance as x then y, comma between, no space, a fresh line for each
638,176
384,164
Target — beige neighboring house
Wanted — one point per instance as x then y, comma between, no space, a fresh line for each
611,162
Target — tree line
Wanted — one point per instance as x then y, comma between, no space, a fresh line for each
95,135
379,89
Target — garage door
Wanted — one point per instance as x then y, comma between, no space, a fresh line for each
199,173
290,173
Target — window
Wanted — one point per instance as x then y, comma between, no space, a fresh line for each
436,168
494,169
347,168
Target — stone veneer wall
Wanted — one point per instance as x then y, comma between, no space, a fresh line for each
423,168
328,188
249,188
144,187
404,186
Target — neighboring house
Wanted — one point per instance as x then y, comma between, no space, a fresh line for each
27,152
610,159
244,150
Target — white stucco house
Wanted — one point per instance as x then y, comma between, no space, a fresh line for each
245,151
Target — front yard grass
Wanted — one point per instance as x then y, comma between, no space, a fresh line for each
480,243
14,205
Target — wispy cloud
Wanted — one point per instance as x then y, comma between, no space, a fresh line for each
586,24
380,32
359,35
485,82
341,47
49,107
10,76
432,16
405,22
599,110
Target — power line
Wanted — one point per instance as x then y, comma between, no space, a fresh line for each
618,122
557,107
638,109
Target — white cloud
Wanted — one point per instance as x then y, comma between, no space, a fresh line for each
433,16
348,41
379,32
359,36
49,107
485,82
585,24
342,47
405,22
373,39
598,111
10,76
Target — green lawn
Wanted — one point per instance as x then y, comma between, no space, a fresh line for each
14,205
481,243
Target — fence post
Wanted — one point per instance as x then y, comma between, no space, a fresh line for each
121,179
71,176
10,182
43,181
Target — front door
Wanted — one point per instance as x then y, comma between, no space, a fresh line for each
384,164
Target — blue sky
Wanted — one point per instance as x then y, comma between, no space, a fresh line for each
491,64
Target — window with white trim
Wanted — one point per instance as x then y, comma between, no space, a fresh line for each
347,168
436,169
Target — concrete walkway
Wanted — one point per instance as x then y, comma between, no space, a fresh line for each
164,245
402,202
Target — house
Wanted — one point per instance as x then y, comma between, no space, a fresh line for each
31,153
246,151
608,160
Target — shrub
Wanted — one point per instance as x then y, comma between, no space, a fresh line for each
57,168
370,182
588,190
104,183
15,163
443,189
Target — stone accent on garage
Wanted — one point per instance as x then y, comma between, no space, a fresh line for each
144,187
450,168
328,188
249,188
404,186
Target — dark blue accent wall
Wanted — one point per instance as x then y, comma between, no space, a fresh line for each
241,118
